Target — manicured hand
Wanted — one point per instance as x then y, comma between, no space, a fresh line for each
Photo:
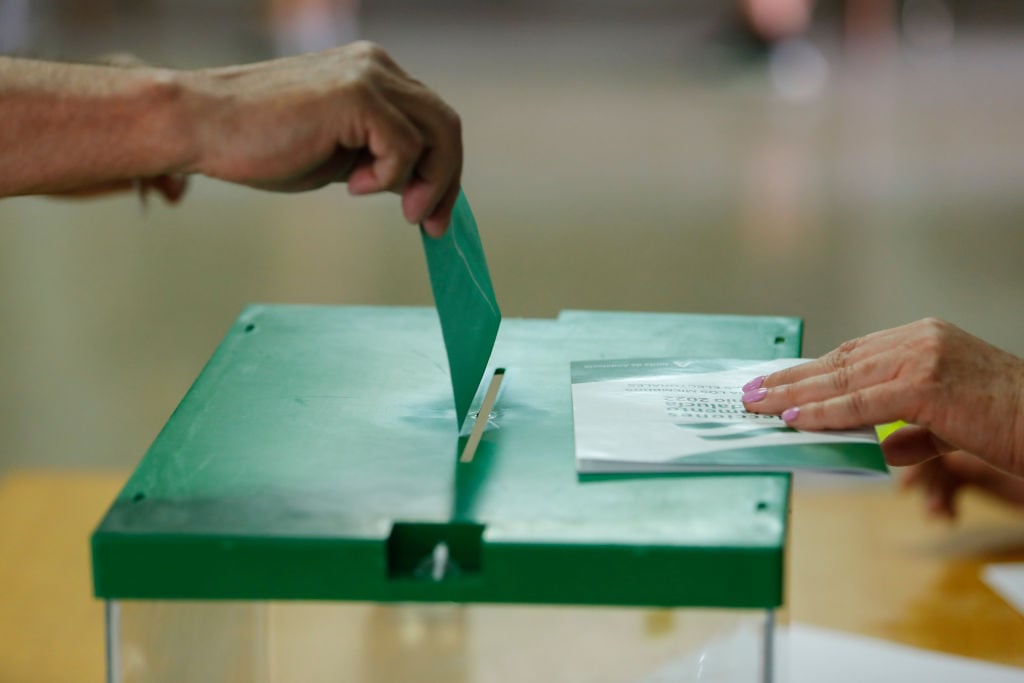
959,391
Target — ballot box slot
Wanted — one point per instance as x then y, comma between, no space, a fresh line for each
433,551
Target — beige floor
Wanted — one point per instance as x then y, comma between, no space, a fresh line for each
607,171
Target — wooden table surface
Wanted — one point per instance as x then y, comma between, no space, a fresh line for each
862,559
867,560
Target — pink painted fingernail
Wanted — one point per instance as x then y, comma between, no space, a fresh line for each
790,414
755,395
754,384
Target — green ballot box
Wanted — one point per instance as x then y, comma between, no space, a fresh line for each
304,516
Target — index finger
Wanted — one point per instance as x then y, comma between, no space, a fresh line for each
429,196
844,355
436,223
877,369
434,185
874,405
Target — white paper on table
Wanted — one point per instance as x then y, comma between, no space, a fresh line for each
678,414
809,654
817,654
1007,579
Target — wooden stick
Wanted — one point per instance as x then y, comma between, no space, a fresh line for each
481,419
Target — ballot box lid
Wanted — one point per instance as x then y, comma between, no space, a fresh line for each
316,458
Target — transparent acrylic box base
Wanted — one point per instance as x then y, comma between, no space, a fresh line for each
321,642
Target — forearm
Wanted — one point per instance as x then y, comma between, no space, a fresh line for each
349,114
69,126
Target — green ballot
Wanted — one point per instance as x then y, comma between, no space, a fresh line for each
465,303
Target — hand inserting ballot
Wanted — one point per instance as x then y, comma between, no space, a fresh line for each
349,114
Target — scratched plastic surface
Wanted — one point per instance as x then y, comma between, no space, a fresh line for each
315,458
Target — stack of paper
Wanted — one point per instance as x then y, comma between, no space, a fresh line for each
682,415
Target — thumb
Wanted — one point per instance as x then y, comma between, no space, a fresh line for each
911,445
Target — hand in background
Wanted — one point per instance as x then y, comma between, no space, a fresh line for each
943,478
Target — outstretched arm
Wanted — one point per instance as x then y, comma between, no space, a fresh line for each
71,127
345,115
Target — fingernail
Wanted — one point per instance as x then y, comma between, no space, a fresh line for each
790,414
754,384
755,395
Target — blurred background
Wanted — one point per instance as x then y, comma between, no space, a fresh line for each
858,164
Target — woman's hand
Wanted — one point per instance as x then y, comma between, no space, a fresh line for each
958,391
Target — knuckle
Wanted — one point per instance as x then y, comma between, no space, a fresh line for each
924,350
934,334
368,51
933,324
369,63
927,357
391,176
358,91
858,405
838,359
846,348
841,379
404,158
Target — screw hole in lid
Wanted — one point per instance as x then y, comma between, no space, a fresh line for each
250,327
780,340
762,506
139,497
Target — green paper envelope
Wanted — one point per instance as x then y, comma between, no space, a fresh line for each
465,303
